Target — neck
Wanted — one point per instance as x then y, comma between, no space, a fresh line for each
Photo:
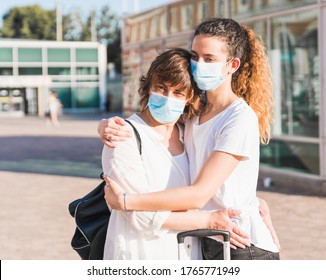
164,129
218,100
169,133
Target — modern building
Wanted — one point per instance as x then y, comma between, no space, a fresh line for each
29,69
294,32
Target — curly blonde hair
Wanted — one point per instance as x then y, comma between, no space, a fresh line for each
252,81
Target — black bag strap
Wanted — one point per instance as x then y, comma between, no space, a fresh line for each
137,138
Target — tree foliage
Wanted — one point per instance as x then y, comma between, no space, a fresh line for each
30,22
33,22
73,26
108,32
108,26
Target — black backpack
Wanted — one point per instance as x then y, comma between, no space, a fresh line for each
92,217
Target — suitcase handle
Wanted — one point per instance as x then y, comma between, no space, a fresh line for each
203,233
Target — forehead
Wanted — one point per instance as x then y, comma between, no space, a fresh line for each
208,45
179,87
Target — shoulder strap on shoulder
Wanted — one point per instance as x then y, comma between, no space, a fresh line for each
137,136
138,142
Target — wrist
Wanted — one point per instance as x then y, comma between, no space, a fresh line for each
125,201
121,202
207,221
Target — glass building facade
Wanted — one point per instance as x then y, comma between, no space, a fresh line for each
294,32
29,69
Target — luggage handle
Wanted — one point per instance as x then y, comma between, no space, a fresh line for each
203,233
200,233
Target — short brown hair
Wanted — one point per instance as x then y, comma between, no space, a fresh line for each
172,68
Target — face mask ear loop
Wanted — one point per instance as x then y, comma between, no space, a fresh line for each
146,106
231,60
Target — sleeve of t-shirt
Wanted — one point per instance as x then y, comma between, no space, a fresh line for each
124,165
239,135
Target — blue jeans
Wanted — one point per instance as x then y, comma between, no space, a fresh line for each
213,250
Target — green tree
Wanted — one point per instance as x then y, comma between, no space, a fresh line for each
30,22
73,26
108,32
108,26
86,30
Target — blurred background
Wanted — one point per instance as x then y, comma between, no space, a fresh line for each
72,47
93,53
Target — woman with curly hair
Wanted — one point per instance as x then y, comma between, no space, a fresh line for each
230,64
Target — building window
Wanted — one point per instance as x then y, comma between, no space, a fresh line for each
6,71
59,71
202,10
4,100
174,20
134,33
187,17
295,70
87,97
295,64
58,55
30,71
30,55
144,30
219,8
87,71
5,54
244,6
163,24
291,155
86,55
155,25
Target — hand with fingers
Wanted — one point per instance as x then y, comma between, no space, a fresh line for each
266,216
114,194
113,130
221,220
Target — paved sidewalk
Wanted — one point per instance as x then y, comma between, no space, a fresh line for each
43,168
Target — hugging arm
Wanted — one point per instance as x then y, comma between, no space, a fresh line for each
187,220
152,222
114,127
113,130
194,196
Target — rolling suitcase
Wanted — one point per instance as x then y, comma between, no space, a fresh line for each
200,233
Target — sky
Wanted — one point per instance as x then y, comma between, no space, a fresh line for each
85,5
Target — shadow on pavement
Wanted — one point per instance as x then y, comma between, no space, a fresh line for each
56,155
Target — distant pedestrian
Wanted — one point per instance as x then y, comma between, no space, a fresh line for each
54,107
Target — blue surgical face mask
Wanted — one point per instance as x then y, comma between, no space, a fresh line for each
208,76
165,109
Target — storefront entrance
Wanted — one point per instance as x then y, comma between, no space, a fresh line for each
18,101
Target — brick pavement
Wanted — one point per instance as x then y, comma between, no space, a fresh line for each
43,168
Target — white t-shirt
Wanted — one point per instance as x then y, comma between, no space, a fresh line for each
234,131
135,234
